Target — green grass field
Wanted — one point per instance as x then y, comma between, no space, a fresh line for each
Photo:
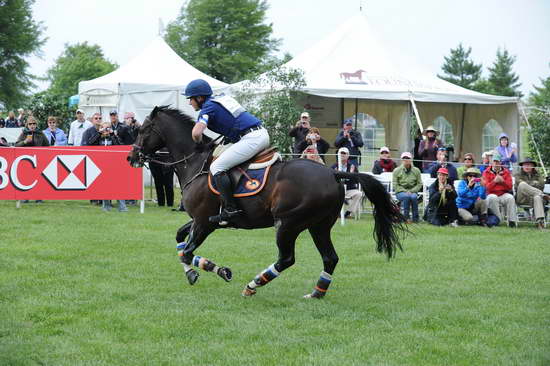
82,287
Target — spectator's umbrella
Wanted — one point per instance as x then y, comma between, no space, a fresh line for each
73,100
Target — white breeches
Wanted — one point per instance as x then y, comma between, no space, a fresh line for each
248,146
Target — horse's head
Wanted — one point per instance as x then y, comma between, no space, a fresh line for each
150,139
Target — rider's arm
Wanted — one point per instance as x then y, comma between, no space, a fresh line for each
197,131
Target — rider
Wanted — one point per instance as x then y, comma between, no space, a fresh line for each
224,115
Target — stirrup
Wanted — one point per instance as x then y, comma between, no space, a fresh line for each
225,216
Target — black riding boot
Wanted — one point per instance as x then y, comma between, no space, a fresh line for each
230,209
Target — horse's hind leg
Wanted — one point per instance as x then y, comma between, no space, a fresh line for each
321,237
197,235
286,241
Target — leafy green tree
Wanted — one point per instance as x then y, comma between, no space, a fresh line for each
226,39
539,119
459,69
483,86
77,63
276,105
44,104
20,37
501,76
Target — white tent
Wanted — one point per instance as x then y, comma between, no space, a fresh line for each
349,74
154,77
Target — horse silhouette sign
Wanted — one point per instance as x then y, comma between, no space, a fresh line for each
353,77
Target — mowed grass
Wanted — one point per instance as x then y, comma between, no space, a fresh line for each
82,287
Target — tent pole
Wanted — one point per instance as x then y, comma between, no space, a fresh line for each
418,121
460,150
356,111
522,111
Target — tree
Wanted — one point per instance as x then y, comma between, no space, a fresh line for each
501,77
277,105
44,104
77,63
20,37
226,39
459,69
539,119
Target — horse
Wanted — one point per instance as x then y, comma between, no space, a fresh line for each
348,75
287,202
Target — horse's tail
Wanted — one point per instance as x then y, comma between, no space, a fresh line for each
388,221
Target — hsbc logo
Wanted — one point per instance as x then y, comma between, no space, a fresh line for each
71,172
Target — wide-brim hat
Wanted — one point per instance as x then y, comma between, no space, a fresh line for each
528,160
428,129
471,171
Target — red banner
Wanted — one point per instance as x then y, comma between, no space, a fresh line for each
68,173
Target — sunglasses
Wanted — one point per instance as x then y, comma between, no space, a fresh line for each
97,117
384,152
467,158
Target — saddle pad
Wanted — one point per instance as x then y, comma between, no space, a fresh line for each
249,184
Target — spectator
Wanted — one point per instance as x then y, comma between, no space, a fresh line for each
529,189
441,162
311,153
2,122
55,136
21,118
485,161
78,126
163,176
91,135
11,121
299,132
406,184
353,193
498,183
417,159
385,163
442,208
469,162
427,149
120,130
350,139
132,124
313,138
471,197
507,151
31,136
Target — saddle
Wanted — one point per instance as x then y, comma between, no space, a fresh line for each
260,163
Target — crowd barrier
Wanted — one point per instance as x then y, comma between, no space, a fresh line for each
68,173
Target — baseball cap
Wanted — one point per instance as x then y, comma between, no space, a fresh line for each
406,155
496,157
113,112
79,111
443,171
442,149
384,149
304,114
129,115
348,122
343,150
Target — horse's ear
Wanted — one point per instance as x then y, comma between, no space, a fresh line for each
154,111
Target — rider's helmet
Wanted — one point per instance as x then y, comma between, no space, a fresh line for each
196,88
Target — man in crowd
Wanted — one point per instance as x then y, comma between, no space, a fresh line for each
385,163
78,126
350,139
299,133
486,159
132,124
11,121
120,129
21,118
315,143
441,162
427,149
55,136
91,135
471,197
31,136
529,189
353,194
406,184
498,183
442,208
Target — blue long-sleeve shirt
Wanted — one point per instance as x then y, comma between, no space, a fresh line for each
467,196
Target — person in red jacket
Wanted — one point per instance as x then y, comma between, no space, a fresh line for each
498,184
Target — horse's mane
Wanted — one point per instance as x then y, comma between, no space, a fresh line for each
172,112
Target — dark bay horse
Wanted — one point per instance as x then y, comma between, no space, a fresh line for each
299,194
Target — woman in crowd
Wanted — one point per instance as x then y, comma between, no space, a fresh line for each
55,136
507,151
314,139
469,162
427,150
471,198
385,163
31,136
442,208
485,161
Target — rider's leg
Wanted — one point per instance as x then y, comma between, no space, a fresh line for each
225,187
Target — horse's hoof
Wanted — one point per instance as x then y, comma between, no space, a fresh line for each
247,292
225,273
192,276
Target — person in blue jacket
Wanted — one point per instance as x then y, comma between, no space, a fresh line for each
472,196
224,115
55,135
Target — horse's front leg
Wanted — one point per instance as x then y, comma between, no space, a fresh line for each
197,235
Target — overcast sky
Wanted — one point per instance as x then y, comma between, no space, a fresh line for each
423,29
